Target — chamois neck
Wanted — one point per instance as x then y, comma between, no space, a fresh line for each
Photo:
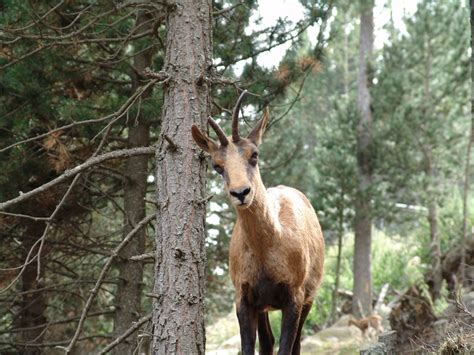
258,222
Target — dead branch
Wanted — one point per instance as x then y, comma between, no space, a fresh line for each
60,321
143,257
102,275
20,215
76,170
48,223
461,306
227,9
116,115
125,335
382,294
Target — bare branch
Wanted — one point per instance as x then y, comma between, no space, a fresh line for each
227,9
76,170
143,257
102,275
116,115
171,144
125,335
19,215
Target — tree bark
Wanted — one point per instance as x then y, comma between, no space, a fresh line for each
362,300
129,289
178,311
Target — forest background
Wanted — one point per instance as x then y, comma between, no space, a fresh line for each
87,147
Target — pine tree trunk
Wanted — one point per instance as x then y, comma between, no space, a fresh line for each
129,290
340,235
33,305
465,230
437,277
362,300
178,311
430,172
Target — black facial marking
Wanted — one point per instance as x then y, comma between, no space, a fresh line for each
254,159
219,169
226,178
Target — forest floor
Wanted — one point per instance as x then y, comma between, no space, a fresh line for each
453,331
223,338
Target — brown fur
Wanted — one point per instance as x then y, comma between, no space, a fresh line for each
277,239
374,321
279,233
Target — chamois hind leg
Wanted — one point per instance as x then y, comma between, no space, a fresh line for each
289,327
265,336
304,314
247,316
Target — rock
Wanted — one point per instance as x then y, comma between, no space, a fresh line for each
232,343
342,322
341,339
341,334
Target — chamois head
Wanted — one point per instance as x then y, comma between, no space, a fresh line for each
235,158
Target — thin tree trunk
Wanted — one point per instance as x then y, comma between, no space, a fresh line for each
437,277
129,289
362,300
468,160
340,235
346,56
178,311
435,243
33,305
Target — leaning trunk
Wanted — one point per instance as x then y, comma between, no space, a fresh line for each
362,300
178,311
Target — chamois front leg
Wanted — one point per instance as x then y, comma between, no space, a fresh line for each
247,316
289,327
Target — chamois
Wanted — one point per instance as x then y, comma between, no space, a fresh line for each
364,324
277,248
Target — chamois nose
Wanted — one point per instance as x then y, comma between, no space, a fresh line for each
240,193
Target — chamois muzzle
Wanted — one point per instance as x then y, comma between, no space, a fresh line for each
240,193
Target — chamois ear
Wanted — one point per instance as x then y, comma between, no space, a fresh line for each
257,133
202,140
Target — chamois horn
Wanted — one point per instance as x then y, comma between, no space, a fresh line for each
235,117
220,133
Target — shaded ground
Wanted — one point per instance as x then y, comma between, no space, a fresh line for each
451,333
223,338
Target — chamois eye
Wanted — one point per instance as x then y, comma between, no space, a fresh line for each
253,159
219,169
